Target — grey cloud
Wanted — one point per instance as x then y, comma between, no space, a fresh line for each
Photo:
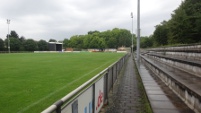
59,19
31,7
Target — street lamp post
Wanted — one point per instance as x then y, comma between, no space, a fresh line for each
132,33
8,22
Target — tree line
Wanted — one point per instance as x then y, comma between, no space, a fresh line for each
184,27
94,39
22,44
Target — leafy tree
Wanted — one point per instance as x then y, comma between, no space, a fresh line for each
122,36
94,42
115,34
178,27
192,8
107,35
14,34
76,42
22,40
86,41
66,43
146,42
52,40
95,39
42,45
185,25
101,43
126,37
30,45
161,34
112,42
92,32
14,44
1,45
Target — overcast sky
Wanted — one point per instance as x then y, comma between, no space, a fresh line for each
59,19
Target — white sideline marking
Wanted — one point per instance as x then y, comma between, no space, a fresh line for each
49,95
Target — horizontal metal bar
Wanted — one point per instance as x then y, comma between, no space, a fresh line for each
50,109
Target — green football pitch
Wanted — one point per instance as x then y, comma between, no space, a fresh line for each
31,82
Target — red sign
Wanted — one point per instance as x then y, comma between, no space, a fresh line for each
100,99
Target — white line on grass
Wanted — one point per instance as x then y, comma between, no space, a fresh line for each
51,94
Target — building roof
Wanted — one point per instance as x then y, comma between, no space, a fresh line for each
55,43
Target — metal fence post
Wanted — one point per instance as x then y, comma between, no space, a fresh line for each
93,100
121,62
115,75
112,77
58,104
117,69
106,88
58,110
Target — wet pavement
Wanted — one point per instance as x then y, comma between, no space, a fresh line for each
125,95
162,99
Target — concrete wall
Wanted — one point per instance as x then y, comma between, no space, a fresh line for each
187,51
184,55
186,48
189,67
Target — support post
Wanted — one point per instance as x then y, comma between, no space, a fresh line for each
138,31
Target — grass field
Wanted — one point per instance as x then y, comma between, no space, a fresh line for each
30,82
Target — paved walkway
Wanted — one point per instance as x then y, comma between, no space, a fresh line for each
125,97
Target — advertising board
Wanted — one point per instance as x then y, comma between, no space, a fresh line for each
83,104
99,93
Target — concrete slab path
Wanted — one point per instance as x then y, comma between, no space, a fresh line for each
125,96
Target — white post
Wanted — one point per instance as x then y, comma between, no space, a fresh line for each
138,31
132,33
8,22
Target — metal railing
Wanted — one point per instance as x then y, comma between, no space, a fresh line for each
92,95
16,52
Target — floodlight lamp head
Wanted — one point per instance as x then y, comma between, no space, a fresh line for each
8,21
131,14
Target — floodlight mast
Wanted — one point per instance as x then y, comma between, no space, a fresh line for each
138,31
132,33
8,22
